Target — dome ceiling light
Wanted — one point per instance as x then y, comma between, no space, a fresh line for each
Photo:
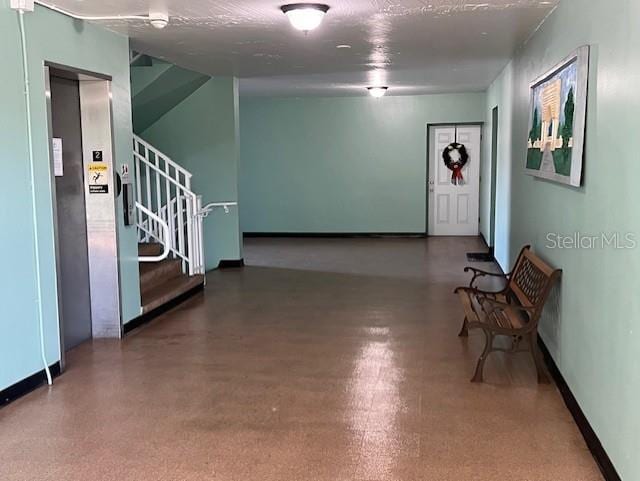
305,16
377,92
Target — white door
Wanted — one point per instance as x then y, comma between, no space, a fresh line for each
454,208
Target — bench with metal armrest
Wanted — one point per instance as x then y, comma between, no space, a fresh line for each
513,311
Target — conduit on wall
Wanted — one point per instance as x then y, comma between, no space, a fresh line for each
34,214
158,19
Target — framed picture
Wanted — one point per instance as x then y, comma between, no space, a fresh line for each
557,115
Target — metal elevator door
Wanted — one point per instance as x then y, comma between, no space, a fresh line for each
73,262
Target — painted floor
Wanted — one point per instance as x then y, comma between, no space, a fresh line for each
321,360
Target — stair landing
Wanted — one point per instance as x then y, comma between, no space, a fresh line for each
162,282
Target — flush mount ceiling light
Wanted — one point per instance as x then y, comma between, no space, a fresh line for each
305,16
158,19
377,92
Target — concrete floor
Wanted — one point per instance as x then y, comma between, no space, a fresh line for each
323,360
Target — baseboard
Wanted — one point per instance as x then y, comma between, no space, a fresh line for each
27,385
484,240
151,315
337,235
591,438
491,248
598,452
230,263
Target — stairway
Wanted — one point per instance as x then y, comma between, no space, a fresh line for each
168,213
163,282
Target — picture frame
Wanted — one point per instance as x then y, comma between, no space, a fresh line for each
557,120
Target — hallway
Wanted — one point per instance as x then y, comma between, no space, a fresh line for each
330,359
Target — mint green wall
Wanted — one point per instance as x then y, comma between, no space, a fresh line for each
341,164
201,134
499,95
55,38
594,331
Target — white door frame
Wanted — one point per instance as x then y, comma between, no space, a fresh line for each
430,127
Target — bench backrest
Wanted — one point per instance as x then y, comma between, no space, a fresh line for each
531,280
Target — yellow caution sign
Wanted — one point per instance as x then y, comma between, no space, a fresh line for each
98,178
95,167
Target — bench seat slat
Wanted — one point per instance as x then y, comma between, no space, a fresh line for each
467,305
477,311
507,318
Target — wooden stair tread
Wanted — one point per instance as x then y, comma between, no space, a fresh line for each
150,249
169,290
162,282
153,274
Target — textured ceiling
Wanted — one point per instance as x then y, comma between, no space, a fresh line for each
414,46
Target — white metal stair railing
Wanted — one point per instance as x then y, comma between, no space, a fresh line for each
164,197
166,235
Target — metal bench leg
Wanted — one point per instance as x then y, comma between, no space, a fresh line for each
464,331
533,347
477,377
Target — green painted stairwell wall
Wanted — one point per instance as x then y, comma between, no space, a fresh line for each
159,87
593,327
201,133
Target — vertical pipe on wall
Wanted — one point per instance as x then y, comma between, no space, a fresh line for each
27,96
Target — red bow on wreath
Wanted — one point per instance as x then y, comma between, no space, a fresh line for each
456,165
456,177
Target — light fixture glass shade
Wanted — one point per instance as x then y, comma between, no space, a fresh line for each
305,16
377,91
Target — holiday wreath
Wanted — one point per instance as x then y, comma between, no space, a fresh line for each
455,157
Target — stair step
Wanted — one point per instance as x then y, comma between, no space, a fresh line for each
153,274
150,249
168,291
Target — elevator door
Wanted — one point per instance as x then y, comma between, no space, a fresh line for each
73,281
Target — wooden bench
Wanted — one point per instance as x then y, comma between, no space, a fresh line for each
513,311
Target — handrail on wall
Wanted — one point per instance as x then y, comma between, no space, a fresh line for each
207,209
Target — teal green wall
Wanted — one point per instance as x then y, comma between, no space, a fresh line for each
499,94
55,38
341,164
593,332
158,88
201,134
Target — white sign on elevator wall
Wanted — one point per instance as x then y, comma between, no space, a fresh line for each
126,178
58,164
